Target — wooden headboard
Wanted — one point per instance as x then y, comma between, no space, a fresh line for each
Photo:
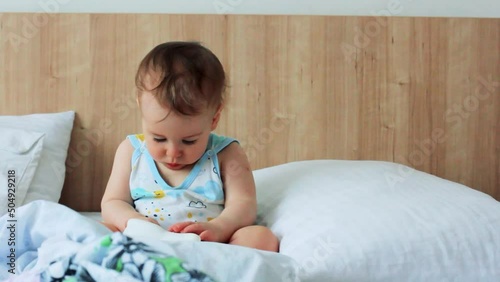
424,92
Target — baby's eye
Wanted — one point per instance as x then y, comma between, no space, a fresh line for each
189,142
159,140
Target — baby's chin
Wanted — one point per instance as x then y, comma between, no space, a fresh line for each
177,166
173,166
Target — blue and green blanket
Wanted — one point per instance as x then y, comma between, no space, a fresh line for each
117,257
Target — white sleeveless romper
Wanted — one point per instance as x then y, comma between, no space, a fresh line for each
199,198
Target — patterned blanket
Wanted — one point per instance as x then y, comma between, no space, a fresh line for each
117,257
82,249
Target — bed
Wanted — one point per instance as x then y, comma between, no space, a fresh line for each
374,160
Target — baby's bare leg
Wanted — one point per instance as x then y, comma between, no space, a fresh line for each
110,226
257,237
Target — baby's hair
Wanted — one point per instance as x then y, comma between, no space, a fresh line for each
185,77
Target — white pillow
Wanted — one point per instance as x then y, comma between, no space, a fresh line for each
379,221
49,177
19,154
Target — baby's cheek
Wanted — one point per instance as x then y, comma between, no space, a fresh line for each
198,153
156,153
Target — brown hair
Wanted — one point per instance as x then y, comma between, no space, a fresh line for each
187,75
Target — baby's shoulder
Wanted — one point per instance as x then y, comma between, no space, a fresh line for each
233,151
233,162
218,143
125,149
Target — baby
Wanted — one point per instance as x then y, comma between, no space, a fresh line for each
177,173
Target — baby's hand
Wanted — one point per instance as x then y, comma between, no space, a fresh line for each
206,230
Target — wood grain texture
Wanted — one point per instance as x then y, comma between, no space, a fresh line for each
423,92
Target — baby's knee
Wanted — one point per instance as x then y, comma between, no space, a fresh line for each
255,236
269,241
110,226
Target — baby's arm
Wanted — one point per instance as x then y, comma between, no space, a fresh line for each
117,205
240,199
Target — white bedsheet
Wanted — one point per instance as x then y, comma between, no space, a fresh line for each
47,230
92,215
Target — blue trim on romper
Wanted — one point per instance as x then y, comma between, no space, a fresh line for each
137,148
219,147
210,152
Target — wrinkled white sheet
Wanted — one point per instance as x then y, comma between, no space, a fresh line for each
46,231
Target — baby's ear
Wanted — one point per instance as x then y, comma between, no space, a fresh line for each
216,118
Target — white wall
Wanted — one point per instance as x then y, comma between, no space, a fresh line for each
431,8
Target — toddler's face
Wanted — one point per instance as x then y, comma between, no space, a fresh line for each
174,141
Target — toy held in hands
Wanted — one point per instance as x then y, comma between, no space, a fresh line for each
138,228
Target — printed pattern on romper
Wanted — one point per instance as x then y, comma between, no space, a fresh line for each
199,198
